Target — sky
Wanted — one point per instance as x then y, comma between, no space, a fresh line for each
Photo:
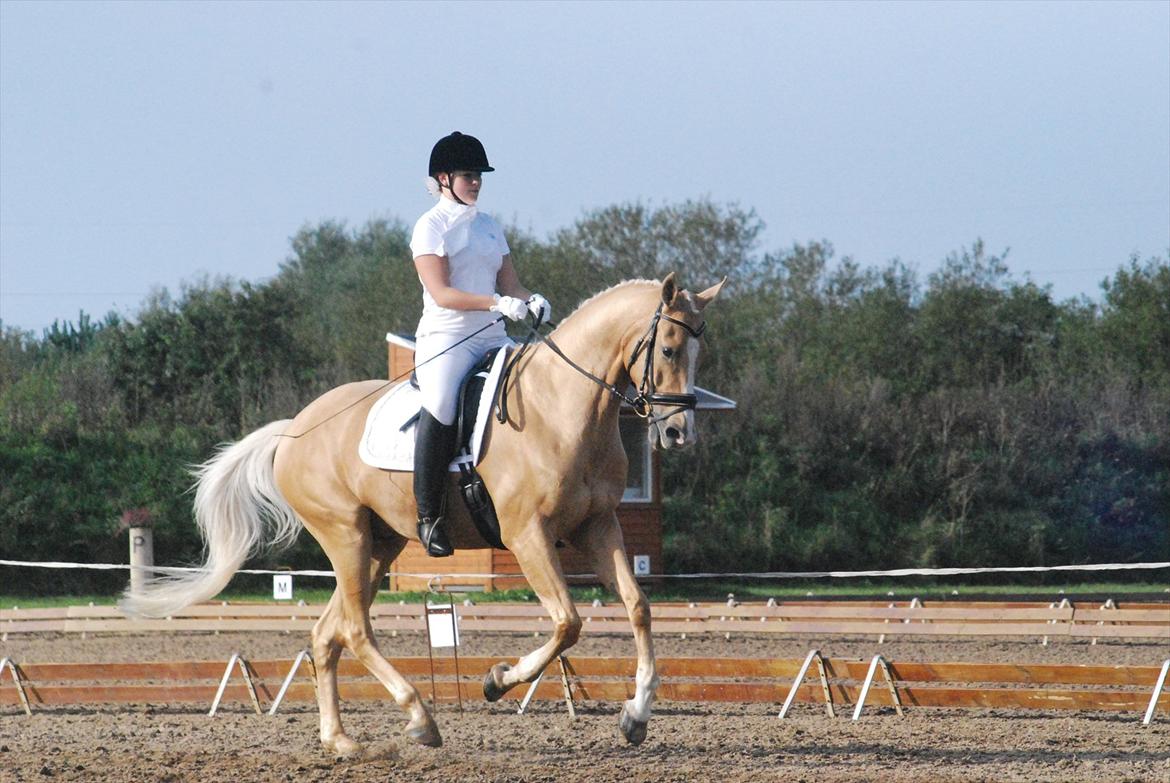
147,144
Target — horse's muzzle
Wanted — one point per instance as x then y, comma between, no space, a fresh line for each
675,432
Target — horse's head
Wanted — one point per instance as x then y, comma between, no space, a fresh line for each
664,361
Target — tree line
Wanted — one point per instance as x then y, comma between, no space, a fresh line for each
885,419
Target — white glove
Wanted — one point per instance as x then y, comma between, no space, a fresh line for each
539,307
511,307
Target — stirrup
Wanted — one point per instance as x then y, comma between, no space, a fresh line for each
432,534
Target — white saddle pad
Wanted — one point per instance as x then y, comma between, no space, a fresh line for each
386,445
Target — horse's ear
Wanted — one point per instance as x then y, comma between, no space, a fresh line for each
669,290
703,298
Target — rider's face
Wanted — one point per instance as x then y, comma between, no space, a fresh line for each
466,185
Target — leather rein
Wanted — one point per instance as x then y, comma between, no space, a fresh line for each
644,401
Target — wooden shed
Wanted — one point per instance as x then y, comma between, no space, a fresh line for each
640,513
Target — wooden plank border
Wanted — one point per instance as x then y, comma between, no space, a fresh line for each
910,683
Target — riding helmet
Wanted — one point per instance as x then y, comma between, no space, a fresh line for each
458,152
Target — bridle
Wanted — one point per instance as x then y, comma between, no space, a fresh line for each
647,397
644,402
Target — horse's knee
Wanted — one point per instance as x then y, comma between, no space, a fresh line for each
640,613
569,631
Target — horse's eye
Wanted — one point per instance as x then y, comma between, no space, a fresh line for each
667,351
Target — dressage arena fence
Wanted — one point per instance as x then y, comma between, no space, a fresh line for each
836,683
881,619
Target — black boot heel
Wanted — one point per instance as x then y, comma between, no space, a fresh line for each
432,533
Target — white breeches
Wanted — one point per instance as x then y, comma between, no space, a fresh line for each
439,377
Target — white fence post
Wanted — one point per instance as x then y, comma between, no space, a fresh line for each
141,557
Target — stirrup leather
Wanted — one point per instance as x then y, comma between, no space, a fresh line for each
432,534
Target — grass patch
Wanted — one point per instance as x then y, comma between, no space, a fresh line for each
712,590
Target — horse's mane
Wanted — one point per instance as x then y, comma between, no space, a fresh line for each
687,296
606,291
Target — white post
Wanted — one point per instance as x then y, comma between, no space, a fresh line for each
141,557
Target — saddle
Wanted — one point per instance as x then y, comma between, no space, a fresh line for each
388,438
472,392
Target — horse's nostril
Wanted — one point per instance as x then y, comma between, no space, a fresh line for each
672,433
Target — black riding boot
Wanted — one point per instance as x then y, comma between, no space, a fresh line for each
434,448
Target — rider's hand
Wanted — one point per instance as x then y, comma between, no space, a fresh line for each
539,307
511,307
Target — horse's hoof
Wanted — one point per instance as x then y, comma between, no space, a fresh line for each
492,689
424,731
633,730
343,747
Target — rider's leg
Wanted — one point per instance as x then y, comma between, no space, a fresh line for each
442,363
434,447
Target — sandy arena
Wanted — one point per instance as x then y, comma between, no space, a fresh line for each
490,742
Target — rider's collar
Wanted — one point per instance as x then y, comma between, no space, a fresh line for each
454,210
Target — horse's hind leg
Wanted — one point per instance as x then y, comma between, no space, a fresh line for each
359,562
326,648
538,560
601,540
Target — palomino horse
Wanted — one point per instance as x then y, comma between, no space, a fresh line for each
556,471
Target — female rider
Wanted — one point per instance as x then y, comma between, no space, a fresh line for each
466,270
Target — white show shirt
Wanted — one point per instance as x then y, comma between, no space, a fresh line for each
475,247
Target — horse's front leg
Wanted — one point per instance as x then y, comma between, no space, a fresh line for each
537,556
601,540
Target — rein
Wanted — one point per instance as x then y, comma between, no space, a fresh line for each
643,403
390,382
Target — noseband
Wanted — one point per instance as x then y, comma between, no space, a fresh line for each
645,400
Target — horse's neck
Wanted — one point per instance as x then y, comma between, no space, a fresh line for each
595,337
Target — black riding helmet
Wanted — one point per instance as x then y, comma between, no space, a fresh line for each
458,152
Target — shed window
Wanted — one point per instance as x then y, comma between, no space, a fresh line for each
640,474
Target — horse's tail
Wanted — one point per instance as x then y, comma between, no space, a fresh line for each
235,499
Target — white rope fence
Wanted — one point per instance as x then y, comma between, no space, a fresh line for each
897,572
